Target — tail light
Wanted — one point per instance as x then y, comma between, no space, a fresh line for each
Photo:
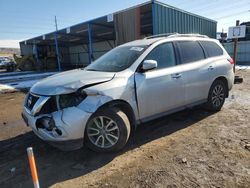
230,60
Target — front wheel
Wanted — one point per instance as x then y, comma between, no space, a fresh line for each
107,130
216,96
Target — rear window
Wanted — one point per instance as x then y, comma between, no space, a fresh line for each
212,49
190,51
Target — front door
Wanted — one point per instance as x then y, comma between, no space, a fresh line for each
162,89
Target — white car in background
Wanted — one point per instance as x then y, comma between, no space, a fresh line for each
133,83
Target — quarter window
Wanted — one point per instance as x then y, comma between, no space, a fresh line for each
190,51
164,55
212,49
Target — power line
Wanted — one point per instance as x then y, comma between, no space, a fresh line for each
26,27
35,21
24,16
230,15
18,32
225,8
46,19
206,6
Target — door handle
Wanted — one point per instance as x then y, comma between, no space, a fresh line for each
176,76
210,67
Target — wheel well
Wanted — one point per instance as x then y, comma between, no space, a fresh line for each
126,108
224,80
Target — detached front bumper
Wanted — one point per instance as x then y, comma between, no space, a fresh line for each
63,129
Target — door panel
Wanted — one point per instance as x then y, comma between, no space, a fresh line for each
197,71
159,91
197,78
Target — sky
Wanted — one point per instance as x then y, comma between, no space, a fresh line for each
24,19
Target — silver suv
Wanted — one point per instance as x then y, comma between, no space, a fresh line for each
101,104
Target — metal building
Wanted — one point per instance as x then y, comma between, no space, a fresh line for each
78,45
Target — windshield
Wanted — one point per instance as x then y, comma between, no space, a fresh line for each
117,59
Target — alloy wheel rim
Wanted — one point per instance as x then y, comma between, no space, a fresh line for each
218,95
103,132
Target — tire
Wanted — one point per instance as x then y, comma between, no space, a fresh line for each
216,96
115,122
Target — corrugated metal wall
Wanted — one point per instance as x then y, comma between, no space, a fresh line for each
79,54
169,20
26,49
127,26
243,51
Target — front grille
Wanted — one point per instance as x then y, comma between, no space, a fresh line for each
31,101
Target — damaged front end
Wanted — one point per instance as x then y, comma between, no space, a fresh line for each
60,120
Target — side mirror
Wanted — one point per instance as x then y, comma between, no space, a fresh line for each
149,65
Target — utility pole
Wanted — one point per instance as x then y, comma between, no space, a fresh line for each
237,79
90,43
222,37
235,46
57,49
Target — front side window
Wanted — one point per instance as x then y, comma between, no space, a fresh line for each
190,51
211,48
163,54
117,59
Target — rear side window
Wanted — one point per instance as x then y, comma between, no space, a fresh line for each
212,49
190,51
164,55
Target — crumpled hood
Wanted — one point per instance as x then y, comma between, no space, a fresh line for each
69,81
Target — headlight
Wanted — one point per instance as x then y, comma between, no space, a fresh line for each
72,99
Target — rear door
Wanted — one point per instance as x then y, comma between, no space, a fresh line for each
196,70
161,89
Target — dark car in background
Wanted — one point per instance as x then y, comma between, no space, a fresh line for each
7,63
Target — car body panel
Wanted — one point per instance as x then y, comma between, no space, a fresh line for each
69,81
63,119
162,88
198,77
150,94
121,87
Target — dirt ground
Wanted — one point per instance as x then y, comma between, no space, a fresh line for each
192,148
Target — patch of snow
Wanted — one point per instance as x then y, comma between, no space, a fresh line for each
15,73
242,67
12,77
10,82
24,84
5,87
17,85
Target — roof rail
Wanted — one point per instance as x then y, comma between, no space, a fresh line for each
176,35
189,35
160,35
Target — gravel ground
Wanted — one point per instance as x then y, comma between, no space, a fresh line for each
192,148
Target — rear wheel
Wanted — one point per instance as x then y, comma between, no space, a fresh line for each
107,130
216,96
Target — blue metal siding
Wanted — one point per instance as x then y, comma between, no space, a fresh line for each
169,20
243,55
